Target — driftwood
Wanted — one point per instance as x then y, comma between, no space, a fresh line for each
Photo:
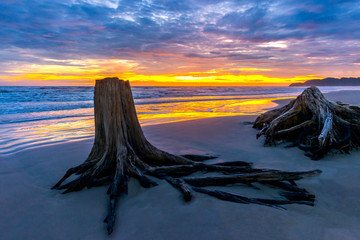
313,123
121,151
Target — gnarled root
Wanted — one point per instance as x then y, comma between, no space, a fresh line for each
313,123
127,164
95,174
116,170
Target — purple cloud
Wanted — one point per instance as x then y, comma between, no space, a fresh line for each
229,30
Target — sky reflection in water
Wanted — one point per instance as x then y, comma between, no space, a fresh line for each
18,136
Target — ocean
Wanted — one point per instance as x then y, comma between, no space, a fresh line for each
36,116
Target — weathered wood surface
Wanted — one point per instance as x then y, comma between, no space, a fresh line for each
264,176
313,123
121,151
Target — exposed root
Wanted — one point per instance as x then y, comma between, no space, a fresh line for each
313,123
241,199
286,186
237,172
264,176
184,170
181,185
199,158
298,196
143,180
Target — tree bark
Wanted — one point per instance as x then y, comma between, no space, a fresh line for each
121,151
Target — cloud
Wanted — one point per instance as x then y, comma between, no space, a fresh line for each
167,35
252,18
278,20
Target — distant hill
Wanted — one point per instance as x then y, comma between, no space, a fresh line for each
352,81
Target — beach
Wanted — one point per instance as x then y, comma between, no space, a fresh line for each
31,210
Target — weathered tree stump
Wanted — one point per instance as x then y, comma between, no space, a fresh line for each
121,151
313,123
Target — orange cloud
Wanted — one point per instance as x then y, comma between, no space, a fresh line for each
86,71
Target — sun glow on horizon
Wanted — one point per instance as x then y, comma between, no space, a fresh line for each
85,72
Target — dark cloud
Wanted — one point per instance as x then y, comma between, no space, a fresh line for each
291,20
74,29
90,29
195,55
252,18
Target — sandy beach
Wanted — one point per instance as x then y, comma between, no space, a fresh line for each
30,210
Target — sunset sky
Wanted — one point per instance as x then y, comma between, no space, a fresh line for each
184,42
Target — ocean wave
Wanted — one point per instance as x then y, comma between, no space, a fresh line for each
37,107
43,118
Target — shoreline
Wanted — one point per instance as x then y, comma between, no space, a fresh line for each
31,210
19,137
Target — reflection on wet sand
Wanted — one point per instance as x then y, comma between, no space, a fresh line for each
18,136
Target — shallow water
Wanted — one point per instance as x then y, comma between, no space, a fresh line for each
34,116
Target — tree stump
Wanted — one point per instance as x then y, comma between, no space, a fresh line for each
313,123
121,151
